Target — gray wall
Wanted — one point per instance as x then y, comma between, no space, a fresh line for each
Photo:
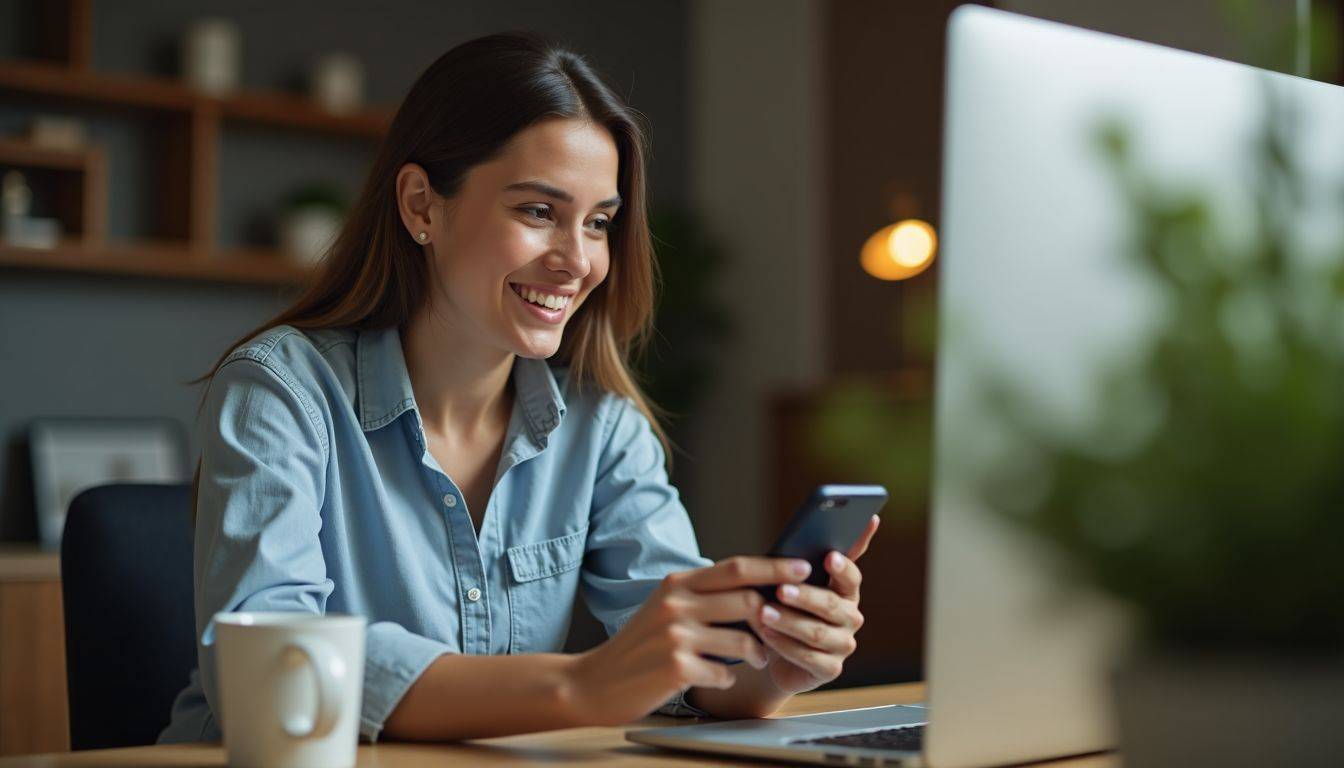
759,183
76,345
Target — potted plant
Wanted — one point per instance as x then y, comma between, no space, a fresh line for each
310,221
690,322
1220,521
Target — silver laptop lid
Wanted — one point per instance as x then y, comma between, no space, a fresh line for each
1033,286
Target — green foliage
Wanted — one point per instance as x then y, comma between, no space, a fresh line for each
1268,36
690,321
328,195
1224,524
866,432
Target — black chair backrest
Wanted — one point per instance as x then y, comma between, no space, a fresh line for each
130,631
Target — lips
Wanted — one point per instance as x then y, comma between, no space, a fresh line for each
542,297
551,316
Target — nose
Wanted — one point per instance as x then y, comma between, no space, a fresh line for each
568,253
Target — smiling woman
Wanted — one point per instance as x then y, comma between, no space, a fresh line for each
535,218
443,435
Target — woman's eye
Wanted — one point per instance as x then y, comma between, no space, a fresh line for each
543,213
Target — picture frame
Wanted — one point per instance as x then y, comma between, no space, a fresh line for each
70,455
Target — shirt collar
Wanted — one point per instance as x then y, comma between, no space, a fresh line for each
385,386
543,404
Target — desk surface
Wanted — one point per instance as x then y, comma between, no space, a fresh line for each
572,746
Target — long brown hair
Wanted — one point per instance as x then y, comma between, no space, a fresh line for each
459,113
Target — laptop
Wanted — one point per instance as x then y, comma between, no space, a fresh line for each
1032,280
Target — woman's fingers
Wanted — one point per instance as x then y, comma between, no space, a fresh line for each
820,664
696,670
808,630
845,575
741,571
732,605
866,538
730,644
822,603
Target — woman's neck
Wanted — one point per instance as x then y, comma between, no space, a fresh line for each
460,385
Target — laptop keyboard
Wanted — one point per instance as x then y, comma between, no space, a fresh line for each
905,738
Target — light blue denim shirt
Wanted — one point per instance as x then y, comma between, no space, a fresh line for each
317,493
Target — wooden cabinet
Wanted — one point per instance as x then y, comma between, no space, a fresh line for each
33,711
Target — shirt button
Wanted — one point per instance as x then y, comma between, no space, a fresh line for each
473,594
450,500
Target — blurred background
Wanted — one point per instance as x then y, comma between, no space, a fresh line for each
169,171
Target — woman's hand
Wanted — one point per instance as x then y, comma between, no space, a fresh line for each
812,633
658,652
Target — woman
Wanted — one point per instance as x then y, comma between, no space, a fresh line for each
396,445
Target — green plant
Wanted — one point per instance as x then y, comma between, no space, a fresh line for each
325,195
1268,35
1222,520
878,430
690,322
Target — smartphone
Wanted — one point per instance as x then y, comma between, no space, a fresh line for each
832,518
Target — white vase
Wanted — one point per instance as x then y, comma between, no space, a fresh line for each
212,56
307,233
337,83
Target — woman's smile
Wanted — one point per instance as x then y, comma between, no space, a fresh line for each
548,306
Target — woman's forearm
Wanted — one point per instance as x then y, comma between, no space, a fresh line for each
753,695
462,696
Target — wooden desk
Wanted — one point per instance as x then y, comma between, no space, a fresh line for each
606,746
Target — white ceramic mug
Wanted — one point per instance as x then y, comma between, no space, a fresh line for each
291,685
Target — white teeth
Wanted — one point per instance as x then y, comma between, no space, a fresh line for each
548,300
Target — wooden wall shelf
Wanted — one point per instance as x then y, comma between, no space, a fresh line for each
23,153
55,82
74,182
188,126
285,111
157,260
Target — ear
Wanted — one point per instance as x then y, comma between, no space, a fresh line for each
415,199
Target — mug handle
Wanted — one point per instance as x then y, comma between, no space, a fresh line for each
329,671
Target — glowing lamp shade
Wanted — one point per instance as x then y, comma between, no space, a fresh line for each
901,250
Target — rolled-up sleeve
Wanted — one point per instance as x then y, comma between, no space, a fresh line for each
639,530
264,458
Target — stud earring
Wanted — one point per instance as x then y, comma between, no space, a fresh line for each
423,236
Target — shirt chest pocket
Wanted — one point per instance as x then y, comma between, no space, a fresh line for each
544,580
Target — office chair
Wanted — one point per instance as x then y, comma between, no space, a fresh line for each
130,644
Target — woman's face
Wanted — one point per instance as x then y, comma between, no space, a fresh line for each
524,242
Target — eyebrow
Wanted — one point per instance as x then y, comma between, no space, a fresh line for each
559,194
